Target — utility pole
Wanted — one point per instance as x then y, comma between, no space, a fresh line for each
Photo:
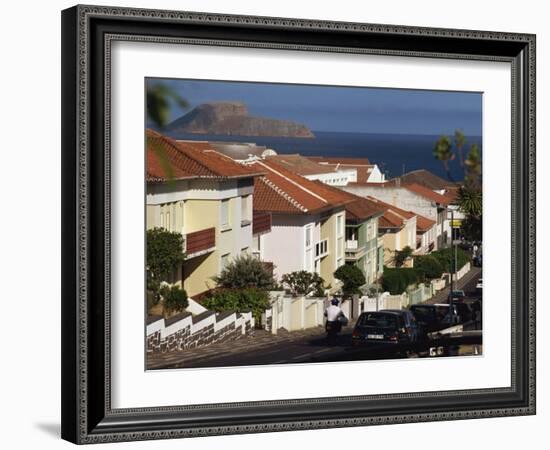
451,312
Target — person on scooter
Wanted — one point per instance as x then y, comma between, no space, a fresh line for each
333,324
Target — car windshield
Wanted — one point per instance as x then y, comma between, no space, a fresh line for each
378,320
423,312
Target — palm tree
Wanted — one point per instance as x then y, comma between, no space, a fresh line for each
460,140
160,99
442,152
473,165
470,200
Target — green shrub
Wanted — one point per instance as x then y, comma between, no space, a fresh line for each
174,298
352,278
397,280
303,282
446,258
246,271
428,266
400,256
239,300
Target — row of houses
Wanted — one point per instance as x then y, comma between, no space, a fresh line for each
293,212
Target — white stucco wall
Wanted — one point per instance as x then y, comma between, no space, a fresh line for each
285,244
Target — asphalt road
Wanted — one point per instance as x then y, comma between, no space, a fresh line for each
308,348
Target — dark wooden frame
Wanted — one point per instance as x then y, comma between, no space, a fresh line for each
87,31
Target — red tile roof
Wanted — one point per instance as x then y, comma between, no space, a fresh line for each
393,217
427,193
425,178
300,164
168,159
423,224
343,161
361,165
358,208
282,191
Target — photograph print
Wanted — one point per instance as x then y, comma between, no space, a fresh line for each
300,224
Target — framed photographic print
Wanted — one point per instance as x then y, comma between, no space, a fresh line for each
282,224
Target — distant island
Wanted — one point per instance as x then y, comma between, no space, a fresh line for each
233,118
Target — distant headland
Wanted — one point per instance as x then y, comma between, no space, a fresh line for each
233,118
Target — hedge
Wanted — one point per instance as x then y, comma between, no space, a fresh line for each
428,266
239,300
445,256
397,280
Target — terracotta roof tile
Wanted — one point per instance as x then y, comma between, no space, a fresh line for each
362,166
300,164
339,160
188,160
427,193
425,178
281,190
423,224
357,208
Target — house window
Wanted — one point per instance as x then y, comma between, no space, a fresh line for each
224,261
340,247
321,248
225,214
308,236
161,220
244,250
245,208
168,224
339,225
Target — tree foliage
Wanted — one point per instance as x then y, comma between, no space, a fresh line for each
442,152
351,277
428,266
303,283
164,255
470,200
239,300
246,271
397,280
160,99
446,257
400,256
460,141
174,298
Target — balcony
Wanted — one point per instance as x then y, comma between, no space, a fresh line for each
354,251
261,223
199,243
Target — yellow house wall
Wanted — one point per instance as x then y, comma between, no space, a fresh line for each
328,231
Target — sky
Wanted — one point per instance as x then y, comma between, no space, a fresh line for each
343,109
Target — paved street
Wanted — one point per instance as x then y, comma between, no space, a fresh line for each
303,346
467,283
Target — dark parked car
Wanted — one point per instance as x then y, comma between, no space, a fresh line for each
431,317
457,295
411,325
381,327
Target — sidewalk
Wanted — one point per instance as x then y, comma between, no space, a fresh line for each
260,340
442,296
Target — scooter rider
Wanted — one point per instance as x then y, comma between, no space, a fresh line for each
333,313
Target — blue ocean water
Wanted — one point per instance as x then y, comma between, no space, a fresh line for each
394,153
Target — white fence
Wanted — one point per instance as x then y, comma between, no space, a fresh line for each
293,313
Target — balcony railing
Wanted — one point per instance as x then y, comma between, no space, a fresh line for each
261,223
200,242
352,245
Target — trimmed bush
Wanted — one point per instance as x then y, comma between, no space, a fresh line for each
303,282
246,271
397,280
428,266
446,258
174,298
351,277
239,300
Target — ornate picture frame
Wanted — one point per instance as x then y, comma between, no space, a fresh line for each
88,33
